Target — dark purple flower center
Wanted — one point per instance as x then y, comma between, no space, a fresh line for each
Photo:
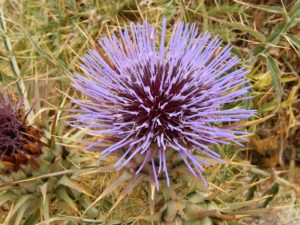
11,129
157,108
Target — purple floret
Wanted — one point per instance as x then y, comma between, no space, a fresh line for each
146,96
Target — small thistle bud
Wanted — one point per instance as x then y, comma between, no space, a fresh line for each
19,142
146,97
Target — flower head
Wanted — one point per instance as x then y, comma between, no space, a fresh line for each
19,142
146,96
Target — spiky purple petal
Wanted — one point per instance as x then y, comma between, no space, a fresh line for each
146,96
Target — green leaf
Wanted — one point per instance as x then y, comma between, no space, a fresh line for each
223,9
62,193
275,73
84,202
18,206
206,221
273,191
170,212
5,196
44,191
255,52
295,40
65,181
21,212
45,210
228,196
269,8
237,205
233,223
277,31
295,12
33,219
284,26
242,27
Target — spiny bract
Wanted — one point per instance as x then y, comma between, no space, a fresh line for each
147,96
20,143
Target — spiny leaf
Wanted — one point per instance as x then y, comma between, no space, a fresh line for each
277,31
225,197
223,9
237,205
171,211
85,202
273,191
44,191
295,12
251,212
21,212
206,221
5,196
234,223
62,193
266,8
295,40
59,219
33,219
259,36
22,200
275,73
284,26
65,181
45,210
59,173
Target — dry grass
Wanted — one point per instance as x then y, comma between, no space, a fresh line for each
41,45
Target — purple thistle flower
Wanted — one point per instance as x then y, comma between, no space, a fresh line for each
146,96
20,143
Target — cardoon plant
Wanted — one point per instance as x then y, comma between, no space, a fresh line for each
20,143
147,97
28,154
159,106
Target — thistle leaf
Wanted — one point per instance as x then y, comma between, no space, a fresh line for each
227,196
65,181
5,196
242,27
45,210
275,73
237,205
295,40
44,191
171,211
62,193
21,212
22,200
33,219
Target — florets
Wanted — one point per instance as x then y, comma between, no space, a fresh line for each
146,96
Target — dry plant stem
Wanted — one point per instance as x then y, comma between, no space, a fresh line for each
45,176
14,64
292,163
276,178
